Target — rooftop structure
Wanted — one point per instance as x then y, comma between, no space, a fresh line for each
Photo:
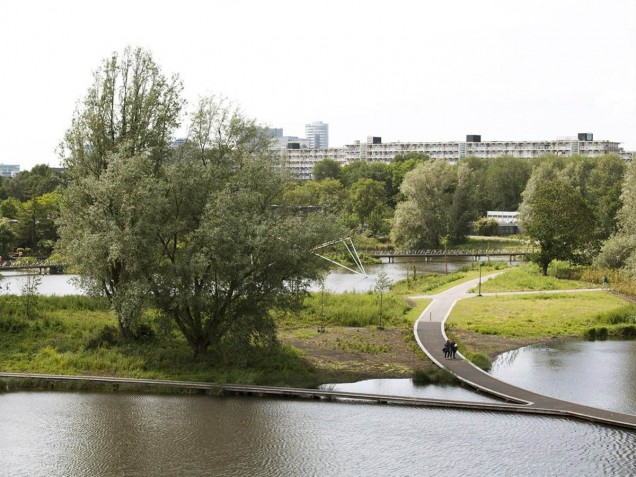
9,170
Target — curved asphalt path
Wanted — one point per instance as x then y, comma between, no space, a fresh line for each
430,335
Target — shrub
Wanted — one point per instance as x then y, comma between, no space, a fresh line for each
564,270
11,324
107,336
143,333
486,226
628,331
480,360
433,376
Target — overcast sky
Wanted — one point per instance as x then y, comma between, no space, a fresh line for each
404,70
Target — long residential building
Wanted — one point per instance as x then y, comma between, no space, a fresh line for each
300,161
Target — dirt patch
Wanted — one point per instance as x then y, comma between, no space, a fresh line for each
342,353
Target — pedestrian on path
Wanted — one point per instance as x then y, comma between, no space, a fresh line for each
454,349
447,349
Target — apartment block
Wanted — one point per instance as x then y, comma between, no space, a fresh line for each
300,161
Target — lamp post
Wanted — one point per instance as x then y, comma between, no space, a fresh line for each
479,294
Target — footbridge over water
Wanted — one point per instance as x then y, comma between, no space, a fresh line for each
477,255
40,267
430,335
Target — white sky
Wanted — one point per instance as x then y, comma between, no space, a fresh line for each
415,70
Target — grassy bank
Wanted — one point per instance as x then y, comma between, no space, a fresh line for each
330,338
489,325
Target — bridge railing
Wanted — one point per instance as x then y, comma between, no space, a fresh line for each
442,253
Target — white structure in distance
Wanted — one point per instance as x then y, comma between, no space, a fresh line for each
300,161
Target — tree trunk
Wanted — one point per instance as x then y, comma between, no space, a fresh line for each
124,331
199,346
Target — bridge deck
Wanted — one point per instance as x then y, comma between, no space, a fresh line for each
429,331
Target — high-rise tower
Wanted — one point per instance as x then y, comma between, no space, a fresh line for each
318,135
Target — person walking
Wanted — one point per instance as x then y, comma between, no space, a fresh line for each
447,349
454,348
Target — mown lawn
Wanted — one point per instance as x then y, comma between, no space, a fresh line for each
540,315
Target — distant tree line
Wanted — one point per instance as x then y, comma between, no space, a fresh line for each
29,206
567,205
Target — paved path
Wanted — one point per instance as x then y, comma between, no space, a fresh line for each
430,335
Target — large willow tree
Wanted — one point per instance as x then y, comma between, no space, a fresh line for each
193,230
119,138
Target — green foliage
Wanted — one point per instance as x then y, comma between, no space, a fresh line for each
326,169
616,251
437,204
106,337
29,297
347,309
196,237
557,217
40,180
352,173
74,335
435,375
536,316
7,238
329,194
529,278
486,226
426,282
398,168
479,359
367,203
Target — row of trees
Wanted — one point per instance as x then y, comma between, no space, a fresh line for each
619,251
29,205
570,207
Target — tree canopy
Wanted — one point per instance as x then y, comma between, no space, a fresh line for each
191,231
557,217
326,169
437,204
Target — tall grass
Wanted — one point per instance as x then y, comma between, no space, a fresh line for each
347,309
78,335
528,278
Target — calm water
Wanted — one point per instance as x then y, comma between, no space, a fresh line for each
85,434
13,283
596,373
338,280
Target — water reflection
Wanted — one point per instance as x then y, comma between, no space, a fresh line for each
13,283
340,280
137,435
599,373
406,387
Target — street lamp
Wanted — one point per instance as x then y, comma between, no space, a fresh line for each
479,294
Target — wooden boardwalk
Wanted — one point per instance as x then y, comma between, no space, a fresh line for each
430,335
216,389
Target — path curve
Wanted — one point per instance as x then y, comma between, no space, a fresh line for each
430,335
